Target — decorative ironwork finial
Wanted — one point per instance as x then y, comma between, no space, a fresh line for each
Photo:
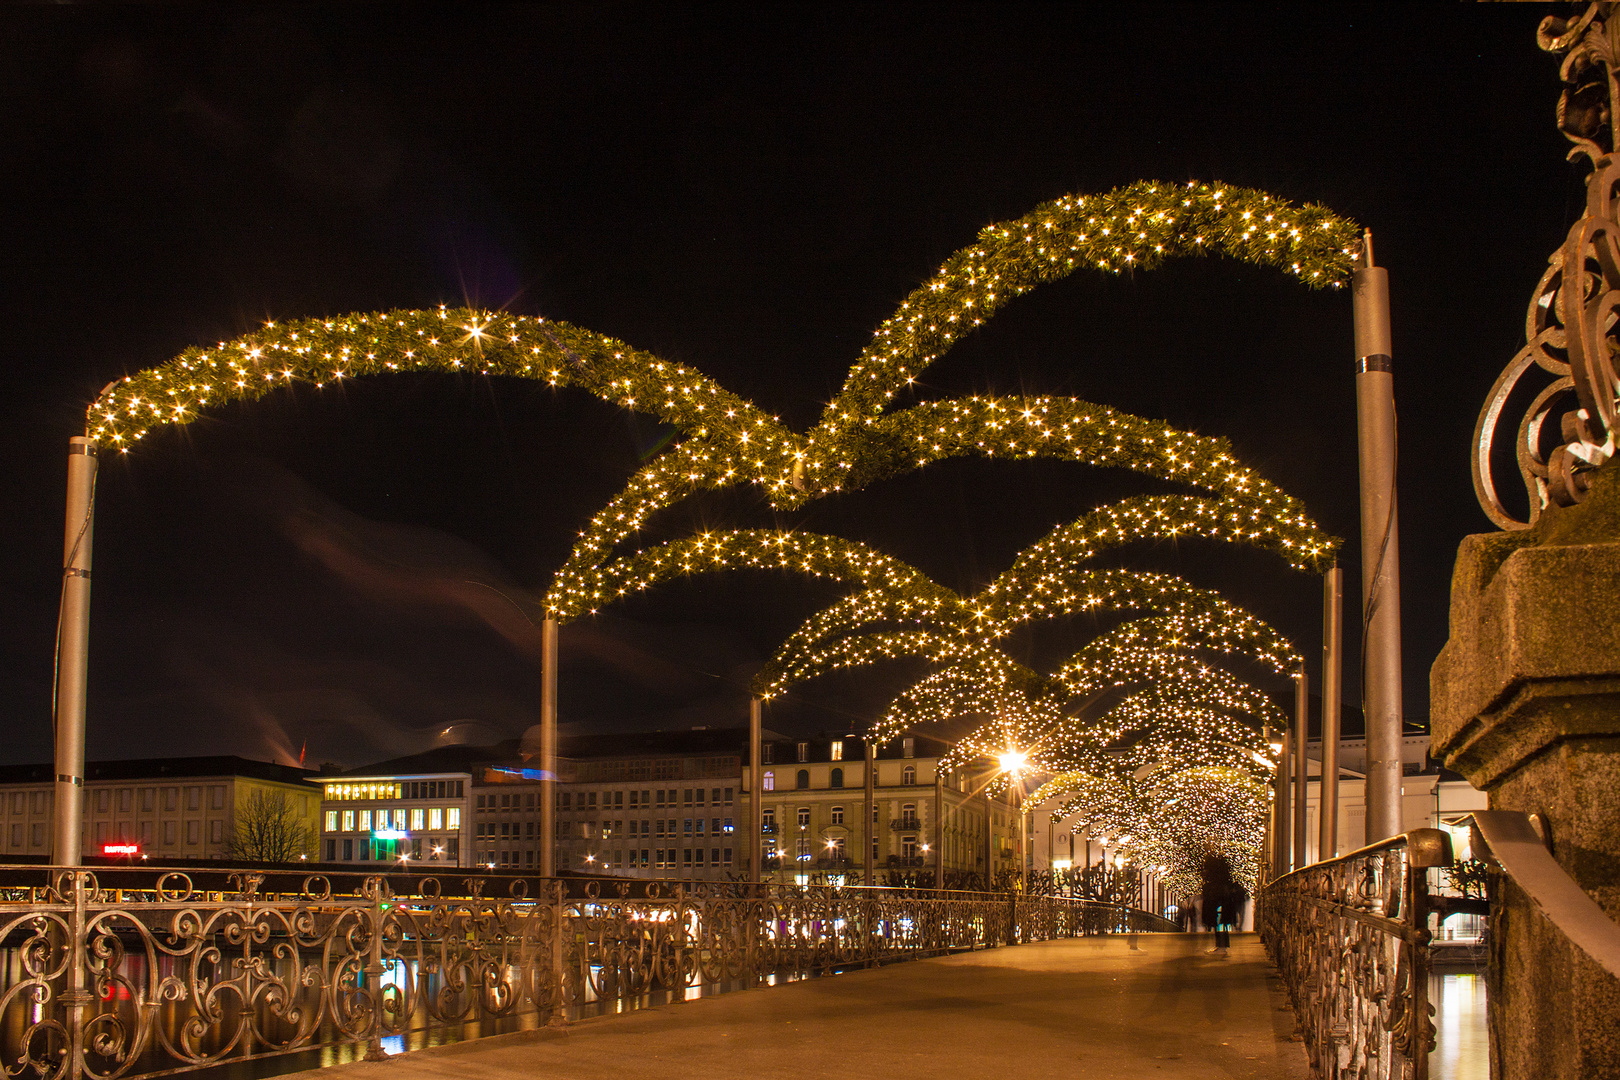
1572,322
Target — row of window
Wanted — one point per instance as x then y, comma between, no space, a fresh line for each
908,816
101,800
426,849
835,778
390,789
402,818
690,858
104,832
835,752
806,849
658,798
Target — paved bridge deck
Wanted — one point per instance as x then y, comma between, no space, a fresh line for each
1085,1008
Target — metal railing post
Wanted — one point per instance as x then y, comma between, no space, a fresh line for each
374,970
73,655
870,831
1332,695
1302,735
756,791
548,748
1380,547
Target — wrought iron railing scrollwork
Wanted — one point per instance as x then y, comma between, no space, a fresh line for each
1570,329
116,973
1350,938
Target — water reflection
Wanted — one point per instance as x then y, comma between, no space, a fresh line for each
1462,1048
406,976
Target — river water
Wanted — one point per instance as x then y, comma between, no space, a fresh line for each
1462,1047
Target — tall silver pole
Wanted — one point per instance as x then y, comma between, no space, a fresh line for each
939,827
756,789
870,831
989,841
1332,694
1282,844
1302,735
548,748
73,655
1380,548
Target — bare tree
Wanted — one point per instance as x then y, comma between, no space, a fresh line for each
268,829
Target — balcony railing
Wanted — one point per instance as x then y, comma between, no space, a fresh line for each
126,973
906,824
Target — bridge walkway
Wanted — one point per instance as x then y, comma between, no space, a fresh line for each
1087,1008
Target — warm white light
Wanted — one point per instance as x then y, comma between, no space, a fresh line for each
1013,761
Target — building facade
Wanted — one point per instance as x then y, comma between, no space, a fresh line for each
169,808
674,805
818,821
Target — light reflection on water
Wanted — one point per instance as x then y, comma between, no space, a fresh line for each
398,974
1462,1049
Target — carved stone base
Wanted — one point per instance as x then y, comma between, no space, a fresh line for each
1526,705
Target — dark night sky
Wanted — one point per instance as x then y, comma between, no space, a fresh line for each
746,191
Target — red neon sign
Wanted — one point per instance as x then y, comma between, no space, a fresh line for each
120,849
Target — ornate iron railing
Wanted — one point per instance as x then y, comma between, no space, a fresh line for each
114,972
1570,426
1350,937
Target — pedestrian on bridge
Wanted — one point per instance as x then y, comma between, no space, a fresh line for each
1223,901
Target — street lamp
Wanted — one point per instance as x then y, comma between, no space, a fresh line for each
1012,763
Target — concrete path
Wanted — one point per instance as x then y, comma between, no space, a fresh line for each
1087,1008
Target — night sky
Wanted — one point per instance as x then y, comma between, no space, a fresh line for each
750,192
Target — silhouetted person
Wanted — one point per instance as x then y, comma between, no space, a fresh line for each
1223,901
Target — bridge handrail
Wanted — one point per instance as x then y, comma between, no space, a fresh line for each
323,956
1350,938
1517,845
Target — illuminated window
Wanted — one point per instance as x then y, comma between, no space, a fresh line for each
452,818
435,818
348,821
365,821
837,750
416,817
769,782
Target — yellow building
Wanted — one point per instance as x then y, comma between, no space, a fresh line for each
156,809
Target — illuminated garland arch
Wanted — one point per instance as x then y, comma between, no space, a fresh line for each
1171,820
729,440
1134,227
462,340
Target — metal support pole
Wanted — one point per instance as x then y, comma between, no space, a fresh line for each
1302,725
870,832
756,789
548,748
1332,695
939,828
73,655
1380,548
989,842
1283,844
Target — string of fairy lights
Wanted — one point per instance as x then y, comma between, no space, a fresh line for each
1172,819
896,611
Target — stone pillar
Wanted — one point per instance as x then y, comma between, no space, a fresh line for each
1526,705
